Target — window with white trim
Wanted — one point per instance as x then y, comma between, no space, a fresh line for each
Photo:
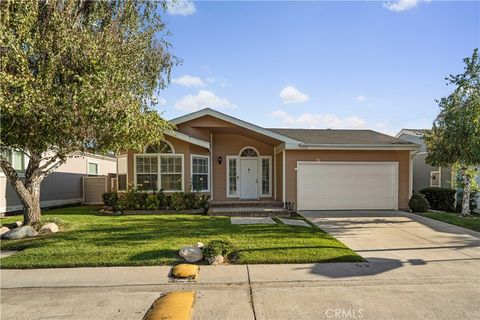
265,176
200,173
232,177
92,168
434,178
17,159
147,172
171,173
159,168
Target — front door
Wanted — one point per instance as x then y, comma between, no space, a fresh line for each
248,178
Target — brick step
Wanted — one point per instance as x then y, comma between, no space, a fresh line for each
249,211
244,203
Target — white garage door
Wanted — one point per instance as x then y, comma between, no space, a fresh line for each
347,185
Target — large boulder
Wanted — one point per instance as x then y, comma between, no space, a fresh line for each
3,230
191,254
48,228
20,233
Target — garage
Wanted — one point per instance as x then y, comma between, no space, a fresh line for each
347,185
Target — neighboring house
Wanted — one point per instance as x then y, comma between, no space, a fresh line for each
425,175
316,169
61,187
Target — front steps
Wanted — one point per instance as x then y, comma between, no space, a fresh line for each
249,208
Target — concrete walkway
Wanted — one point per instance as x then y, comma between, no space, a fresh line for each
417,269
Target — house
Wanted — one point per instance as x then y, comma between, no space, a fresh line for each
425,175
316,169
64,186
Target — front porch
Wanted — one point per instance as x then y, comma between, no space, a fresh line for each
247,208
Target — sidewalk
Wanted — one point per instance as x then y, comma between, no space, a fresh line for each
379,290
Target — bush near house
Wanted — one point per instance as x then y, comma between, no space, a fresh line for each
441,199
418,203
135,199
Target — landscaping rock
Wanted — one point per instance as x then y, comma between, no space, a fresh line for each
48,228
14,225
3,230
199,245
191,254
216,260
20,233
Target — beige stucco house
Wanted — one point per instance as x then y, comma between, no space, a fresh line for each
316,169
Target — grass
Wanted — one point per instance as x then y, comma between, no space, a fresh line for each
86,239
472,222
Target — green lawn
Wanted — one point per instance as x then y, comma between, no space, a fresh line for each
472,222
90,240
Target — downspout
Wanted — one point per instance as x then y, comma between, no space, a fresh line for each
211,166
274,173
283,178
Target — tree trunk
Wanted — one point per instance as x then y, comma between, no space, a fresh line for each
28,190
466,194
31,204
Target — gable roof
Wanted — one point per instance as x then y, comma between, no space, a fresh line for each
338,137
236,121
311,138
412,132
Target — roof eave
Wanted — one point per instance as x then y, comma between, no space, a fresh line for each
316,146
238,122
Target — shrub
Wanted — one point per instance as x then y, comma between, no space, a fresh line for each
442,199
110,199
188,201
152,202
218,248
418,203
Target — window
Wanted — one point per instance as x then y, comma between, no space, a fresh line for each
92,168
249,152
16,159
265,176
147,172
232,176
434,179
122,182
200,170
162,147
171,173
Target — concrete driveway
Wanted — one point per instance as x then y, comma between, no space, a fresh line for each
383,236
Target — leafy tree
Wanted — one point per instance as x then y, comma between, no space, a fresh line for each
77,76
454,139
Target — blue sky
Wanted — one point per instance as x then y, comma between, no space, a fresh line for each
377,65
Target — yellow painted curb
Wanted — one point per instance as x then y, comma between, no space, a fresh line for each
185,271
176,305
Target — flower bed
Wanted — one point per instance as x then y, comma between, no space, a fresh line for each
135,201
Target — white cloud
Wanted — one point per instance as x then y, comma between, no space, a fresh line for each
291,95
162,101
181,7
319,120
189,81
402,5
224,83
203,99
361,99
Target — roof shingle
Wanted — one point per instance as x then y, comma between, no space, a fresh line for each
334,136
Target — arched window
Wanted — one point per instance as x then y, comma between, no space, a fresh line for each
162,147
249,152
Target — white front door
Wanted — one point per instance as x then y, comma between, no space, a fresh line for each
248,179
